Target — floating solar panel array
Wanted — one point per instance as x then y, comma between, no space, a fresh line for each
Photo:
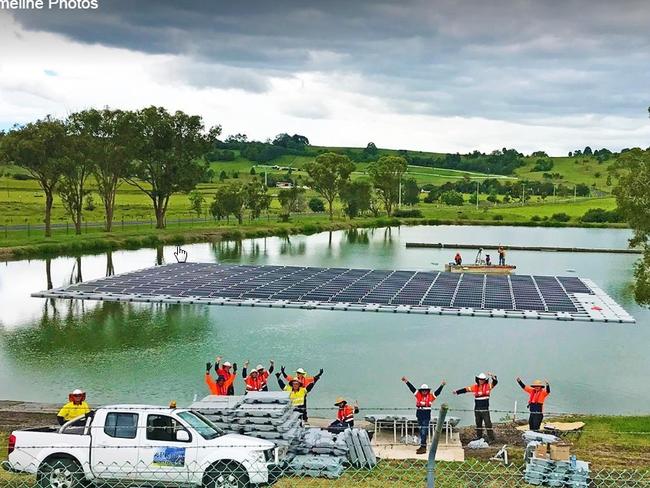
423,292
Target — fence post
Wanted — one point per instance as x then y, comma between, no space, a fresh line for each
431,464
122,222
29,229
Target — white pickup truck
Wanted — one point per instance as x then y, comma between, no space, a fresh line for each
140,445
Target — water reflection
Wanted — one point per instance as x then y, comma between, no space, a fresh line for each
70,328
110,267
357,236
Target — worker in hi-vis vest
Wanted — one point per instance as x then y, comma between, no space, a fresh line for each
298,392
482,388
423,400
537,391
76,407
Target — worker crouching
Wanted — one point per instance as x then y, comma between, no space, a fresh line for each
344,416
76,407
537,391
482,388
423,401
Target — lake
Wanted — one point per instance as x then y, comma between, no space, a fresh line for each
156,353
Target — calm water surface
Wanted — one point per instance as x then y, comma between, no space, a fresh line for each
155,353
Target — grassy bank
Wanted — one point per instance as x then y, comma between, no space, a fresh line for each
20,244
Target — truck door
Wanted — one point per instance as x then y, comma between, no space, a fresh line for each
115,445
167,452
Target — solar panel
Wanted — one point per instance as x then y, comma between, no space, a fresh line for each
565,298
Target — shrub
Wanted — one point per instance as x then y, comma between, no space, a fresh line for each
22,177
452,197
560,217
535,218
601,215
411,213
316,205
543,165
497,217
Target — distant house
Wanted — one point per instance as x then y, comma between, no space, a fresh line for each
284,184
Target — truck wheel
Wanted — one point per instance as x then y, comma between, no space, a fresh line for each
226,475
60,473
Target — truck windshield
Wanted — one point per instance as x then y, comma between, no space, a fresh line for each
203,426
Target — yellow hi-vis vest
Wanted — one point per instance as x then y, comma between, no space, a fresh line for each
71,411
297,397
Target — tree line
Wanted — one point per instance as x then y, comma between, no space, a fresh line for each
156,151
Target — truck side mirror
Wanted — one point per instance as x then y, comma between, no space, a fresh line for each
182,436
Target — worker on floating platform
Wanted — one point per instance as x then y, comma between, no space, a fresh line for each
458,259
260,376
301,375
344,415
488,260
76,407
423,400
227,371
502,256
221,385
298,392
537,391
481,390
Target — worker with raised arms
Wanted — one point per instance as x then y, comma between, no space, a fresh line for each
423,401
482,388
537,393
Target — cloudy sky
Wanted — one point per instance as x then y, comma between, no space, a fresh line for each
448,75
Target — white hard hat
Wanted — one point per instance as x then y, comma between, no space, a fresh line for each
481,376
226,364
78,392
301,371
258,367
424,386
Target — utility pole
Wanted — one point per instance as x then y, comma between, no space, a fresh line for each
575,192
266,181
554,197
477,183
523,195
399,197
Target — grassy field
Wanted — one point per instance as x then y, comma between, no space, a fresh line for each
22,203
617,448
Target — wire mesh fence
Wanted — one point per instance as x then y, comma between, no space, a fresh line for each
173,467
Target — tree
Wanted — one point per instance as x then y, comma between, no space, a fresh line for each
197,200
223,175
40,148
452,197
111,145
76,170
410,192
168,158
316,205
252,172
386,174
632,170
329,173
370,149
229,199
256,197
356,197
291,200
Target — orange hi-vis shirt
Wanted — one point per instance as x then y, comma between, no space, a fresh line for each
215,388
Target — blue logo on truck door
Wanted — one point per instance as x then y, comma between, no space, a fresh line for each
169,456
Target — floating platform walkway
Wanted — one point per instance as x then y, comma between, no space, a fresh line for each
441,245
367,290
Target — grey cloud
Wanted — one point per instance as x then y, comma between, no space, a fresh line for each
503,59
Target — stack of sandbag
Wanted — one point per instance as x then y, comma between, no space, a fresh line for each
546,472
360,453
319,441
219,409
268,415
316,466
263,414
